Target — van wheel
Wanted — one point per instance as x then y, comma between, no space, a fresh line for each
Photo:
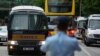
10,52
86,42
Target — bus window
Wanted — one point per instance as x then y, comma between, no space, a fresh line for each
60,6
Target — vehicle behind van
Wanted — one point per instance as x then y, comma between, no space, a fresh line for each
80,27
3,35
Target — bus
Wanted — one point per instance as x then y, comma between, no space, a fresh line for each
56,8
27,29
60,7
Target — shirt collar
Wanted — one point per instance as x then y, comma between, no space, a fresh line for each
61,33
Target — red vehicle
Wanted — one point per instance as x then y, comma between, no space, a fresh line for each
71,32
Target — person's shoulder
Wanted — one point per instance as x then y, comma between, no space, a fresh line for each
73,39
50,38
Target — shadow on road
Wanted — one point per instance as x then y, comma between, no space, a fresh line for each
95,45
25,55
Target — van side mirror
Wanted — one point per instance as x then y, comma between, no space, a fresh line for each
48,19
85,26
6,19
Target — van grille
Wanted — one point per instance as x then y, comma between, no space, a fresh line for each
28,42
97,35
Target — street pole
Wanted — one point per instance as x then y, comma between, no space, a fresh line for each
80,3
12,3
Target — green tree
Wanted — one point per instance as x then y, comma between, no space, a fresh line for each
77,11
30,2
39,3
11,3
90,7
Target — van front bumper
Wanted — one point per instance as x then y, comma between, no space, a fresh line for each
93,40
25,50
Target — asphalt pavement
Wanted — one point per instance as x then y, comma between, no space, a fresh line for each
93,50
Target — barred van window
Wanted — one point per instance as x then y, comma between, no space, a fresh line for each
20,22
28,22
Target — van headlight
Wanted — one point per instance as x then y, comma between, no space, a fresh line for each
13,42
41,42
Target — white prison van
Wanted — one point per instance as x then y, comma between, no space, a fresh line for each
92,31
27,30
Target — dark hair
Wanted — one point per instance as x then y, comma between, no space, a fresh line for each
62,23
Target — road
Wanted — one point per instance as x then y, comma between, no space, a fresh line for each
86,51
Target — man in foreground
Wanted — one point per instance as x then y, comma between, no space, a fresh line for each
61,44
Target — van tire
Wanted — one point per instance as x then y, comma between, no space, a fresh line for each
10,52
86,42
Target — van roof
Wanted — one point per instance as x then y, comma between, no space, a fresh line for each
17,8
94,16
81,18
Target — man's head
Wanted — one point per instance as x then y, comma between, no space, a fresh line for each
62,23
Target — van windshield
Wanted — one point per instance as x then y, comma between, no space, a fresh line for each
94,24
81,24
28,22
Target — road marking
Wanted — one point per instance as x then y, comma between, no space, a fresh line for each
85,51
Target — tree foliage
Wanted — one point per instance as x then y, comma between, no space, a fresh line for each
39,3
77,8
11,3
89,7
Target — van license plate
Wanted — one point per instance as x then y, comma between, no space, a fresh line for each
98,41
28,49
